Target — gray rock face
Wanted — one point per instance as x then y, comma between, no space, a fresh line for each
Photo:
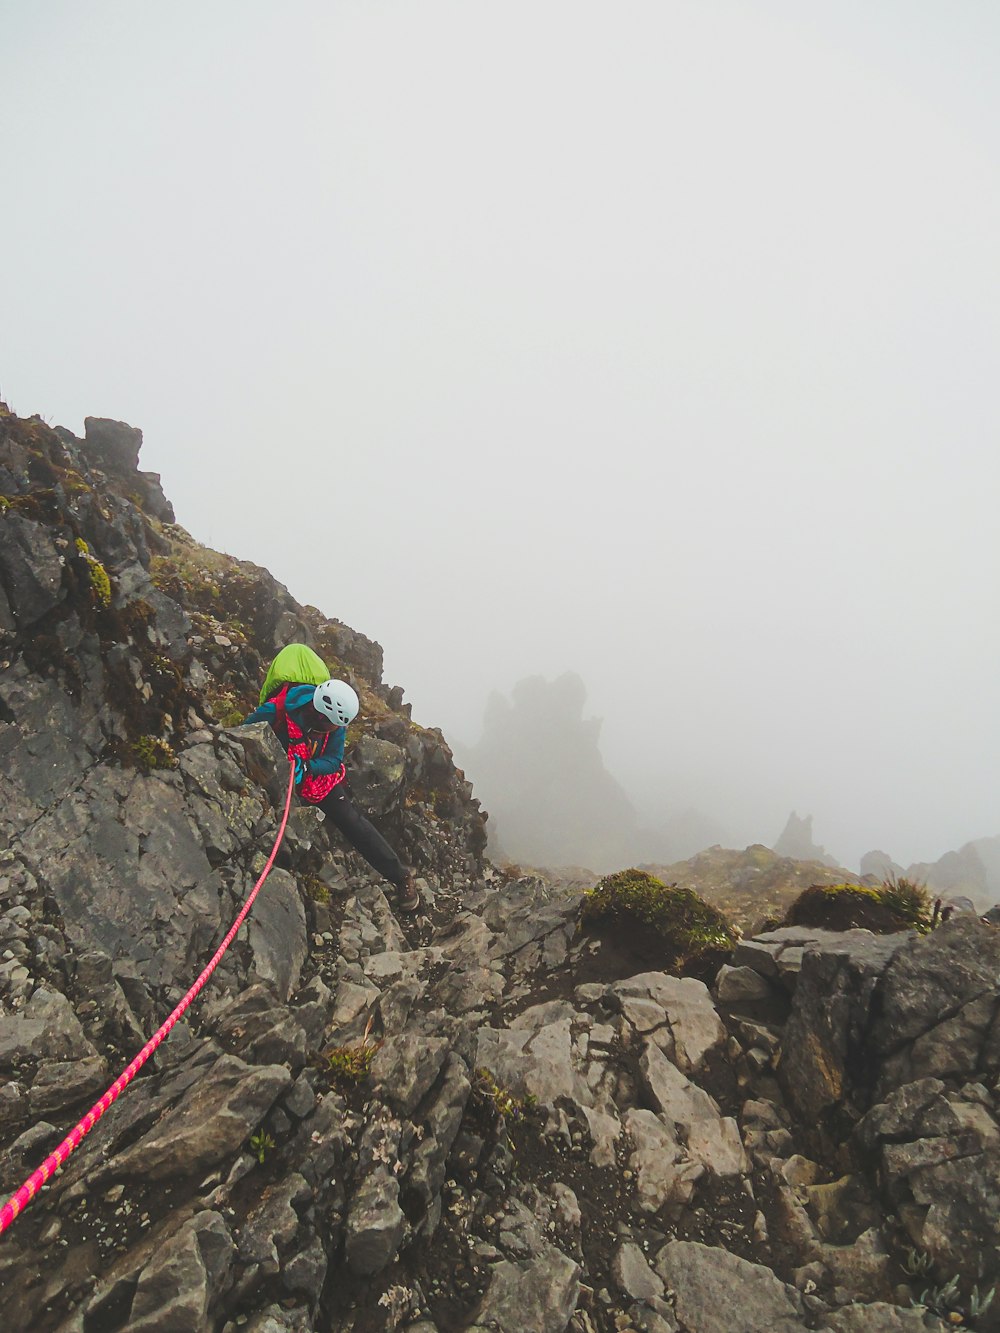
378,770
634,1275
826,1032
406,1067
375,1224
113,444
939,1000
718,1292
184,1279
216,1118
47,1029
939,1156
31,569
539,1291
277,934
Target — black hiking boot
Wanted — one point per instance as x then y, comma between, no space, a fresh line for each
407,894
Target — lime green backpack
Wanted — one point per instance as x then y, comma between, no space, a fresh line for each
296,664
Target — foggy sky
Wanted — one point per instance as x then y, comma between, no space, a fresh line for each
657,342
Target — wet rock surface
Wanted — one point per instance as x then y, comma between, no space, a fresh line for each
477,1118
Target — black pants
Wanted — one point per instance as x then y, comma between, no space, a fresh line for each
363,836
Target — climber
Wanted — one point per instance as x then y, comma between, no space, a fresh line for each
309,713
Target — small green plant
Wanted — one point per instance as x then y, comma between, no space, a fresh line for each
352,1063
917,1263
261,1143
100,582
980,1302
152,752
491,1093
909,900
316,889
941,1300
226,707
945,1302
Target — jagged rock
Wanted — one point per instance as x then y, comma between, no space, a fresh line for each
149,889
917,1034
185,1278
375,1224
829,1020
405,1068
666,1177
304,1272
708,1137
59,1082
796,841
535,1057
718,1292
216,1118
170,1281
538,1289
261,1030
272,1223
277,934
443,1120
682,1006
378,770
275,1320
633,1274
46,1029
113,444
740,985
31,569
863,1268
939,1157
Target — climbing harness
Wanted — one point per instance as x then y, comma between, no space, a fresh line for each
19,1201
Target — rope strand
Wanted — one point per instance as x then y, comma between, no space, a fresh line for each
16,1204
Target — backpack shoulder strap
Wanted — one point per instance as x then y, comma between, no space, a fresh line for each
279,704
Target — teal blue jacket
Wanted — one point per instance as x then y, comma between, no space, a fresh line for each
327,746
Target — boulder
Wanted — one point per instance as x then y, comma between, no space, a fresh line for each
823,1060
718,1292
375,1224
112,444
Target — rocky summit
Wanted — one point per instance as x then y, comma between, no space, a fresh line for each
491,1116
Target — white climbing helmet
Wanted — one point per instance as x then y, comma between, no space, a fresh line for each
336,700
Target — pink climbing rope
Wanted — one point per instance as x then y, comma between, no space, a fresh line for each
19,1201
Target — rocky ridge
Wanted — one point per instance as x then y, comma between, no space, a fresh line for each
481,1119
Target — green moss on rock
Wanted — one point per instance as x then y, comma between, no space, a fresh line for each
883,909
672,928
152,752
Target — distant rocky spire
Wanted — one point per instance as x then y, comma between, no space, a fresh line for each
796,842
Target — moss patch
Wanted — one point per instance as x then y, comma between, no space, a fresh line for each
665,926
892,906
100,582
152,752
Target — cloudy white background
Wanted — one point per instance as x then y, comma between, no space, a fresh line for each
654,340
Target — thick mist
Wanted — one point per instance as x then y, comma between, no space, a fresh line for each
654,343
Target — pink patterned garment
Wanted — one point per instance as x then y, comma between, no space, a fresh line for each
311,789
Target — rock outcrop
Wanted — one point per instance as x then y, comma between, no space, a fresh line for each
751,886
796,841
